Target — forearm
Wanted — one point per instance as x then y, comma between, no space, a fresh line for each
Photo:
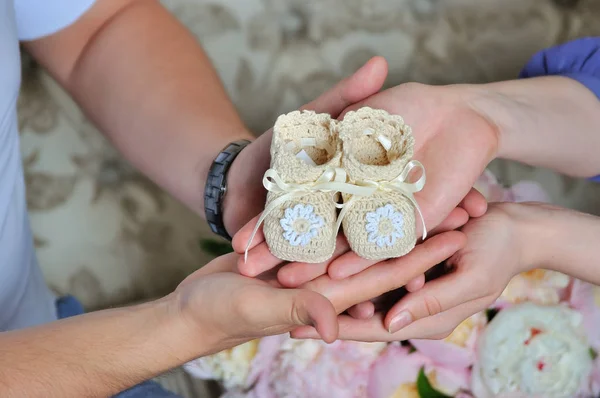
551,122
145,81
559,239
94,355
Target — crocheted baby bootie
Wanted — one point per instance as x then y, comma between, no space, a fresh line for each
377,152
300,213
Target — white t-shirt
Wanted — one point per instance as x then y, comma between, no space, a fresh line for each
25,300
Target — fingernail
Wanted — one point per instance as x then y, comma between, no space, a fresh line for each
402,320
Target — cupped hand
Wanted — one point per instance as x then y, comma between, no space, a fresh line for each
452,141
246,195
228,309
493,254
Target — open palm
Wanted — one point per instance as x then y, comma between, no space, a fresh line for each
452,140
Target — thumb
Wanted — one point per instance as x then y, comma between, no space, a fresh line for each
299,307
365,82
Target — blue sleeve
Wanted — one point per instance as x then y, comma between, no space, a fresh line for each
578,59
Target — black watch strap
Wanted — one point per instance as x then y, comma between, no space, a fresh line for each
216,187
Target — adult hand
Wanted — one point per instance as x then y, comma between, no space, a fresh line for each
229,309
496,250
453,142
246,195
226,308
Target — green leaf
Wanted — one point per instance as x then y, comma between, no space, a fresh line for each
593,353
215,247
425,388
491,313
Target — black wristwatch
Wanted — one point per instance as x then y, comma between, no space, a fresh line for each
216,186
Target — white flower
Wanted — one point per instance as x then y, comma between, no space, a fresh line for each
533,350
231,366
384,226
300,224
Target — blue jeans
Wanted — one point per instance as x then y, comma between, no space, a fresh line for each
69,306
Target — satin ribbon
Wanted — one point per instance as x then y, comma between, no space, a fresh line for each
398,184
334,180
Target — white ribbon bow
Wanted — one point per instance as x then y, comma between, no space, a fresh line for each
398,184
334,180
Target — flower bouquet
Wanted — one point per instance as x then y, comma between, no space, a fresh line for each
539,339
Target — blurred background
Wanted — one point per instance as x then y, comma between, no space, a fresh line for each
109,236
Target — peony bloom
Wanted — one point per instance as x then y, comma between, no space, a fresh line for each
524,191
311,368
394,375
585,298
458,349
535,351
490,188
239,367
538,285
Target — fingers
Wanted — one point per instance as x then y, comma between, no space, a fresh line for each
456,219
474,203
373,329
364,310
437,296
241,238
416,283
350,263
297,307
297,274
365,82
259,260
388,275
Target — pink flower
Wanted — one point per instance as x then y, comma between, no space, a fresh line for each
311,368
527,191
585,298
489,187
395,373
524,191
458,349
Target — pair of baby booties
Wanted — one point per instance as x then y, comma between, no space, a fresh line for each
326,174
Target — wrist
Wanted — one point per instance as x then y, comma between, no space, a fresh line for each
548,121
245,197
537,231
499,110
183,340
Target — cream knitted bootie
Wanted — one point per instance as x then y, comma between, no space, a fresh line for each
300,213
377,152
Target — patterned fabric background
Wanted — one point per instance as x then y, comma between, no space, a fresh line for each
106,234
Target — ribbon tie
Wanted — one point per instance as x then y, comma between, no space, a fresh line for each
334,180
398,184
